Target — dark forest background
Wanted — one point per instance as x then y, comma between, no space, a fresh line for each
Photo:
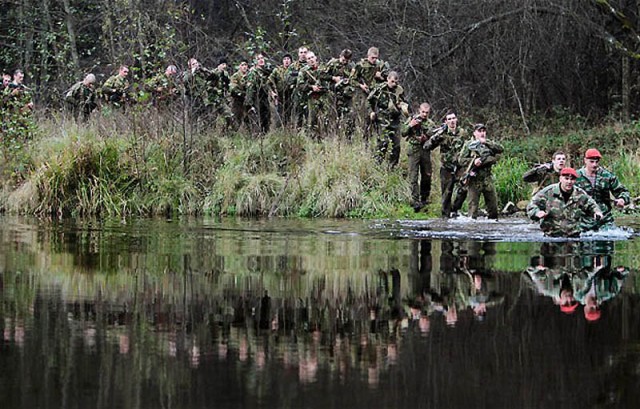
527,57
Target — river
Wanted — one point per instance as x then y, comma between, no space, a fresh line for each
203,313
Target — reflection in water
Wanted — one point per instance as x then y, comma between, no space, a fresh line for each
577,274
181,315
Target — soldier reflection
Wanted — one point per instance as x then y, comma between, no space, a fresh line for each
575,274
465,284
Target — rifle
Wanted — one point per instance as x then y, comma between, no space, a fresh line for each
436,132
469,173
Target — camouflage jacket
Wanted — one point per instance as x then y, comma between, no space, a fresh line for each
16,97
115,88
487,152
450,143
238,86
219,83
80,95
257,84
163,88
388,104
544,175
604,284
308,77
418,134
335,68
605,184
278,81
563,219
364,72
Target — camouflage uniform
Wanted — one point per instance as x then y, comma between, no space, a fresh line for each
450,144
316,101
279,85
116,90
81,99
365,73
479,179
16,110
164,89
604,185
419,160
218,90
299,97
258,95
196,86
342,91
544,175
238,94
604,283
389,106
563,218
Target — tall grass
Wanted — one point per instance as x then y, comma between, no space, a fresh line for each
144,164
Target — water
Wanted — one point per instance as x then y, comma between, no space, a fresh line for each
315,314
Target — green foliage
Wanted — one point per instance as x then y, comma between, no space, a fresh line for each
508,180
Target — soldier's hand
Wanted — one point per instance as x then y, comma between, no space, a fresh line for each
541,214
364,87
477,162
619,203
415,122
372,116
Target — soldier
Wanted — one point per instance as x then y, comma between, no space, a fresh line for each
450,139
195,80
116,88
387,108
601,184
6,80
370,71
311,83
219,83
18,107
599,284
477,158
238,94
561,207
339,70
299,99
81,97
417,130
546,174
164,86
257,100
280,92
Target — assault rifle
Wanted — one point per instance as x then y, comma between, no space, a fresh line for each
435,133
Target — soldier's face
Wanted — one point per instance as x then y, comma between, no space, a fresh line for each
286,62
567,182
392,82
312,60
452,121
302,54
18,77
372,58
592,164
124,71
424,112
6,80
480,134
244,67
260,60
559,162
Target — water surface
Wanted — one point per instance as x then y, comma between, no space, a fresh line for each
315,314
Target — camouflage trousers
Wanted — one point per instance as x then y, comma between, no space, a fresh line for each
486,188
389,142
447,183
419,173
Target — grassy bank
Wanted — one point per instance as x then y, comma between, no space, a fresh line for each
145,164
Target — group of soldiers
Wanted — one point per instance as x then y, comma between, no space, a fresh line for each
16,106
570,202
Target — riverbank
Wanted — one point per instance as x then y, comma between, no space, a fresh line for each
143,163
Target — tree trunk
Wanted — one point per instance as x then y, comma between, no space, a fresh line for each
625,88
71,32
